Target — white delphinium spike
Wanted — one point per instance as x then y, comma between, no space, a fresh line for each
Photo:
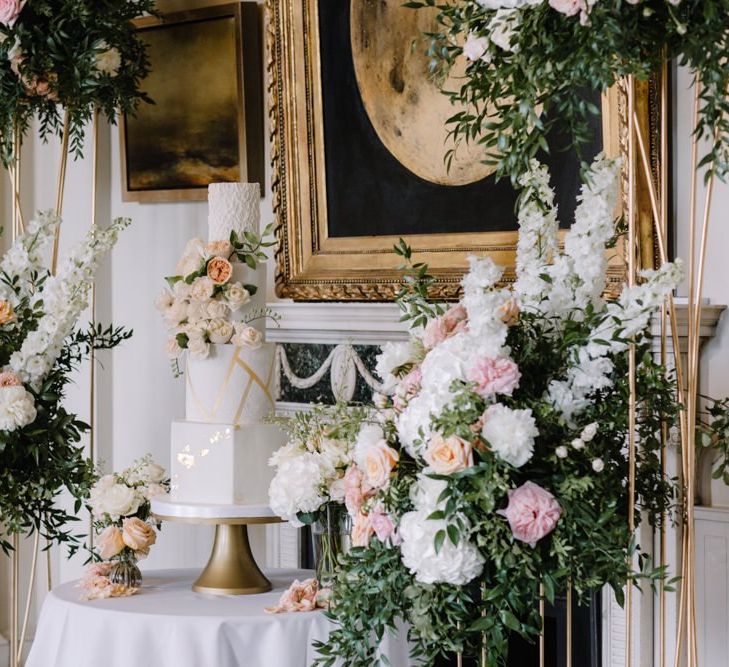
537,243
627,317
63,298
26,257
593,228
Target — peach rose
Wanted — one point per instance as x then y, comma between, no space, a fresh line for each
6,312
138,535
448,455
219,270
362,530
110,542
219,249
300,596
509,312
9,379
378,461
453,321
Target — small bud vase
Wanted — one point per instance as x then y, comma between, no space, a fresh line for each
330,538
125,571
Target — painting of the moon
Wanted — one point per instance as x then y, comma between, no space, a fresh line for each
405,106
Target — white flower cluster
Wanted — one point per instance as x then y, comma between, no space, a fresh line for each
121,495
201,301
308,475
455,564
63,298
24,261
17,408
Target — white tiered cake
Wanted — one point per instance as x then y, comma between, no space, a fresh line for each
220,452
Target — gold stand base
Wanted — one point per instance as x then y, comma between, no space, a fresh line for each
231,570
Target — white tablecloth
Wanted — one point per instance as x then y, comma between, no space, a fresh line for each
167,625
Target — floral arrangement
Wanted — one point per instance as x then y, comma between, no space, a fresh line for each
531,61
40,347
79,54
204,295
120,505
301,596
494,471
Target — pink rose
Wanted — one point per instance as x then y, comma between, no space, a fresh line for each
568,7
448,455
532,513
362,530
9,379
408,387
450,323
110,542
378,461
382,525
353,493
138,535
495,376
9,11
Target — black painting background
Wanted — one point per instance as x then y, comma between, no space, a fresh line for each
370,193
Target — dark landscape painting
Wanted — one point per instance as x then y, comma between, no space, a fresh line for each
189,137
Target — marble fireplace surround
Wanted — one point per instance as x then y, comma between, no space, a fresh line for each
340,338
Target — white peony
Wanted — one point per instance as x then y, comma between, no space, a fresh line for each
286,453
116,500
510,433
17,408
368,437
426,492
192,257
503,27
453,564
236,295
108,60
202,289
392,356
297,487
475,47
220,331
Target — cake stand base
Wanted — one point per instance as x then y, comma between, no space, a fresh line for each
231,570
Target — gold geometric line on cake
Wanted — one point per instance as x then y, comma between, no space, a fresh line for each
254,376
243,400
210,416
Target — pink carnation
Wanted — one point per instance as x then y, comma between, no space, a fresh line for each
495,376
532,513
453,321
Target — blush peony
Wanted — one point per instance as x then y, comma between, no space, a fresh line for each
9,11
362,530
532,513
495,376
453,321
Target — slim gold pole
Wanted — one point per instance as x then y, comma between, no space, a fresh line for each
542,617
49,570
29,597
14,602
61,185
569,624
484,654
92,354
632,275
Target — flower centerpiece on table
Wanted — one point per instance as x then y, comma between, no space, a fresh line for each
78,54
41,452
311,485
120,505
496,474
203,297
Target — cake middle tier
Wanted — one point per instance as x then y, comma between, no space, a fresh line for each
233,385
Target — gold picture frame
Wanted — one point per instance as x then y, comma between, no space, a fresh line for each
314,265
207,121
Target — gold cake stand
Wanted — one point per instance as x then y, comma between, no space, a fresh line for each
231,569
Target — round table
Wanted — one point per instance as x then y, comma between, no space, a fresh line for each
231,570
166,624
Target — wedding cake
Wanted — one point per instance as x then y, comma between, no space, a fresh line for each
216,309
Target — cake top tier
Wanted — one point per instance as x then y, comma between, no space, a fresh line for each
233,206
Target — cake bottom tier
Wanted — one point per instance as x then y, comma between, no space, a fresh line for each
221,463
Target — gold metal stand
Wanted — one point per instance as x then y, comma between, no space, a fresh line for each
231,569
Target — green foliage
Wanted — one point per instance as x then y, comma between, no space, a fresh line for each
512,99
713,431
249,248
48,59
412,298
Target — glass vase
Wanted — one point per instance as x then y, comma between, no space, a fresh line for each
330,537
125,572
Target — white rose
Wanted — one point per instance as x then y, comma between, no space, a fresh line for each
108,61
296,487
155,490
214,309
510,433
164,300
220,331
598,465
454,564
197,346
192,257
392,356
202,289
246,336
173,349
589,432
152,472
561,452
578,443
176,313
475,47
181,290
335,452
236,295
116,501
17,408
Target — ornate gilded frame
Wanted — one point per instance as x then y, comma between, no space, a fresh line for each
311,266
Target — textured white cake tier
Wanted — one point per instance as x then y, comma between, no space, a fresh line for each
222,464
234,385
233,206
244,274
